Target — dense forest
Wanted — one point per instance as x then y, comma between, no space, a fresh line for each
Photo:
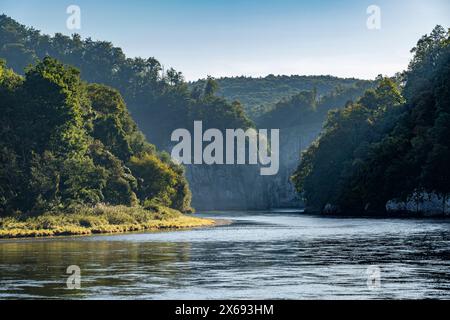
162,101
66,143
259,95
309,107
382,140
159,101
393,143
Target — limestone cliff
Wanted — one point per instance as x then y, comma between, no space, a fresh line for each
234,187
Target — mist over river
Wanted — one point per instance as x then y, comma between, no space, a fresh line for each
282,254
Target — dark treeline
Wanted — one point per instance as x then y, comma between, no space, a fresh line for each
391,144
65,143
159,101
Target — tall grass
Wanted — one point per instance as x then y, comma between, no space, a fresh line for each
98,219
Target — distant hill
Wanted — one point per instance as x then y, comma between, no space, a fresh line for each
308,107
260,94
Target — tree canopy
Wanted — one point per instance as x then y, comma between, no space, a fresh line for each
160,101
65,143
260,95
393,143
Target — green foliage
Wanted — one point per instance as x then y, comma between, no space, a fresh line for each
159,101
157,180
53,105
328,165
120,183
211,86
306,107
385,146
260,95
65,144
112,123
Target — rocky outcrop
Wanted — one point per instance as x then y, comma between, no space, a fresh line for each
428,204
293,141
235,187
227,187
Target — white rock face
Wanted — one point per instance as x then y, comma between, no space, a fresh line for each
429,204
236,187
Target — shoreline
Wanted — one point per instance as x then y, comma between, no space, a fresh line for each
385,215
168,225
121,229
46,233
101,220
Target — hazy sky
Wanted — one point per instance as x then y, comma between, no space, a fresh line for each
249,37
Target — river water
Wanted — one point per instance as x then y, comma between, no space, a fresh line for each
262,255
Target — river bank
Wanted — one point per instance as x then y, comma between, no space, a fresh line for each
378,215
98,220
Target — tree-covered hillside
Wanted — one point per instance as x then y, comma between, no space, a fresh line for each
65,143
309,107
162,101
159,101
259,95
392,144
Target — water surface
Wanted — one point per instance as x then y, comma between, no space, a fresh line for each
263,255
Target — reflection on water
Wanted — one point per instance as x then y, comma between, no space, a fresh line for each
283,255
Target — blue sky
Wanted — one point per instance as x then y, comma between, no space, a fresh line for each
249,37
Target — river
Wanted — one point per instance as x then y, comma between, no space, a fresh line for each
280,254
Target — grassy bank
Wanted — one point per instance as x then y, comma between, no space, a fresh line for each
100,219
